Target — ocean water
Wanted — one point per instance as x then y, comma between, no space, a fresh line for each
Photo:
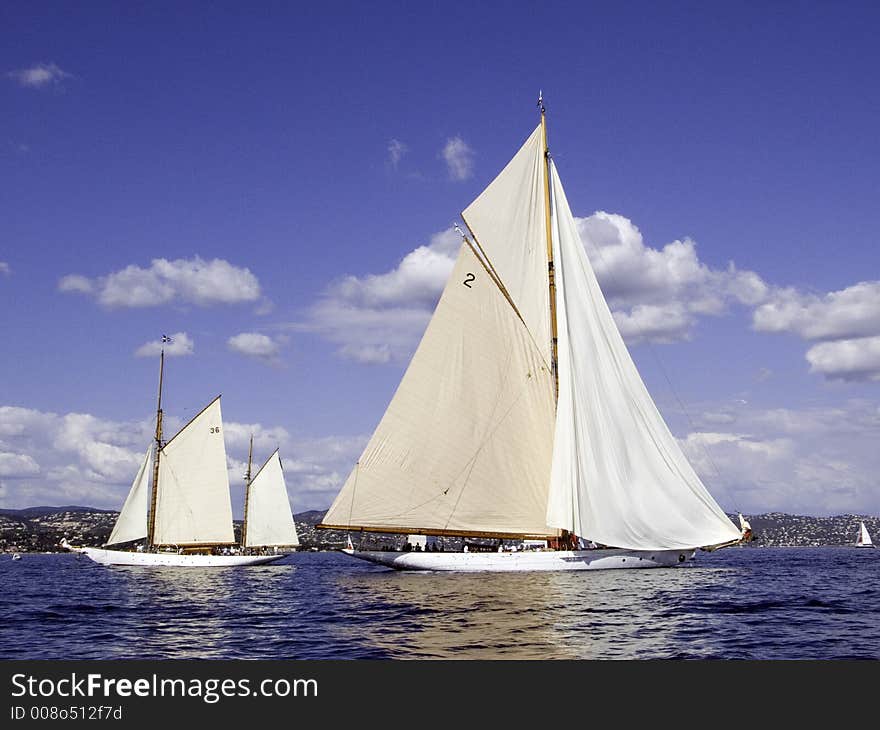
738,603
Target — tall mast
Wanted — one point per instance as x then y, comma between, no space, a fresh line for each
247,493
551,274
151,524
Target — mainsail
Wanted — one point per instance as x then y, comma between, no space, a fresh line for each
193,505
473,440
268,518
619,476
132,521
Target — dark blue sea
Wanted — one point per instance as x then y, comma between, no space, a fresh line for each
738,603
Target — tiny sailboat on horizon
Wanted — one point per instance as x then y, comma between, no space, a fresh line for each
864,539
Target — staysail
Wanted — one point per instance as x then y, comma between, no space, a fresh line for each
508,221
466,442
193,505
619,477
269,519
132,521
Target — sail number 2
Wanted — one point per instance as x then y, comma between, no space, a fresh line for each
468,279
214,429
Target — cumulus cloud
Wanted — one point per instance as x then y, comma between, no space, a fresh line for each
658,294
846,314
17,465
256,345
73,458
379,317
459,158
180,345
857,359
78,458
847,322
190,281
808,461
396,151
39,75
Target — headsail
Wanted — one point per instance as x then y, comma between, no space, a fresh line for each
508,221
132,521
466,442
192,501
618,476
269,519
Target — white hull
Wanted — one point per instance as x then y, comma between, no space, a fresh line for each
865,545
526,560
175,560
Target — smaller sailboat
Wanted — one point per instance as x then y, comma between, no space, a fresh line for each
16,556
268,520
184,514
864,539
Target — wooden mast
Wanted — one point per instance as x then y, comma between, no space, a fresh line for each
551,273
247,494
151,523
566,540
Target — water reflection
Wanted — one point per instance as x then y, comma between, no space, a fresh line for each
577,615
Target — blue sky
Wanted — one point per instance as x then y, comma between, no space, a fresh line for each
278,182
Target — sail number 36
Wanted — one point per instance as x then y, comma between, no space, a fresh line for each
214,429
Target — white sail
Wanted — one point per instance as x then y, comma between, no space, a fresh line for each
619,477
509,223
466,442
132,521
864,538
269,519
192,502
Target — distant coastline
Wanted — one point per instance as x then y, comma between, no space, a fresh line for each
40,529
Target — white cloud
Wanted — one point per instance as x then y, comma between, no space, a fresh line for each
17,465
256,345
847,320
75,283
857,359
459,158
846,314
68,459
396,151
4,268
804,461
79,458
39,75
181,344
659,294
192,281
655,294
379,317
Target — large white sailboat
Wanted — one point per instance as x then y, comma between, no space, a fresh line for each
184,514
268,520
864,539
521,415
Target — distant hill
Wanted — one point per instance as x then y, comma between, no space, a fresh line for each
41,529
43,511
